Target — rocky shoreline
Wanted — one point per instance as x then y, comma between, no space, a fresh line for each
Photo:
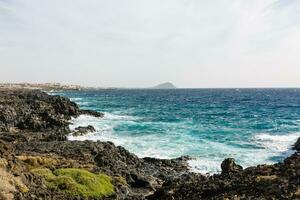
38,162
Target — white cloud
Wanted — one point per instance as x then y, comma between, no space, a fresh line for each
194,43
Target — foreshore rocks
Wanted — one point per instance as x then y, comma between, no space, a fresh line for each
278,181
91,113
229,166
34,111
83,130
297,145
38,162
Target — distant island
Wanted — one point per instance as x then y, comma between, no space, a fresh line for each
166,85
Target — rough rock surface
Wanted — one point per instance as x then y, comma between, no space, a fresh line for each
83,130
92,113
297,145
33,129
34,111
229,166
278,181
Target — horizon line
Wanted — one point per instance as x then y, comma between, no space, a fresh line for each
151,87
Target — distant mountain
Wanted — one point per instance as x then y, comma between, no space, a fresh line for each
166,85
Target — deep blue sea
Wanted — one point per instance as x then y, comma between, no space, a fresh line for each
254,126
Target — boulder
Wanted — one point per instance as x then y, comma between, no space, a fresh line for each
297,145
92,113
83,130
229,165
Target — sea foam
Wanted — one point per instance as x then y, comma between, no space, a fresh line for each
252,126
176,144
280,143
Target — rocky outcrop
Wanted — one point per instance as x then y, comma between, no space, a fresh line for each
297,145
229,166
83,130
278,181
34,111
91,113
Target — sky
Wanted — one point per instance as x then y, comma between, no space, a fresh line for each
141,43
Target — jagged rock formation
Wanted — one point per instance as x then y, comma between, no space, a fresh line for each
297,145
229,166
83,130
34,111
278,181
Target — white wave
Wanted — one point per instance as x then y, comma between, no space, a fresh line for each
279,143
204,166
85,120
84,103
174,143
76,99
111,116
53,93
93,136
104,126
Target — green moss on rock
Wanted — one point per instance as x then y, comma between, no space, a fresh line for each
77,182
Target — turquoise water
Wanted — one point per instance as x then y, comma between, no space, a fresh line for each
254,126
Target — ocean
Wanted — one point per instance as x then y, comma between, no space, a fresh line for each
254,126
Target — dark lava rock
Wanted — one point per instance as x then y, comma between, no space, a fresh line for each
297,145
278,181
92,113
35,111
228,165
82,130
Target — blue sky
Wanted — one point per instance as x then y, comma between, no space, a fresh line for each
140,43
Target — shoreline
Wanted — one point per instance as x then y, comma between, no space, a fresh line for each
92,136
33,135
126,127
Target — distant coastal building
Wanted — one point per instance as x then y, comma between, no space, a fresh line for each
41,86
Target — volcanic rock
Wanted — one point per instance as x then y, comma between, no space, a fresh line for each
83,130
229,165
297,145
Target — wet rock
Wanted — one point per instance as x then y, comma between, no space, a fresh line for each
297,145
229,165
83,130
138,180
34,111
92,113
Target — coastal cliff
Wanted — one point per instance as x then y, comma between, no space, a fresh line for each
38,162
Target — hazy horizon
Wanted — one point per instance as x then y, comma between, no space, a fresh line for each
139,43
